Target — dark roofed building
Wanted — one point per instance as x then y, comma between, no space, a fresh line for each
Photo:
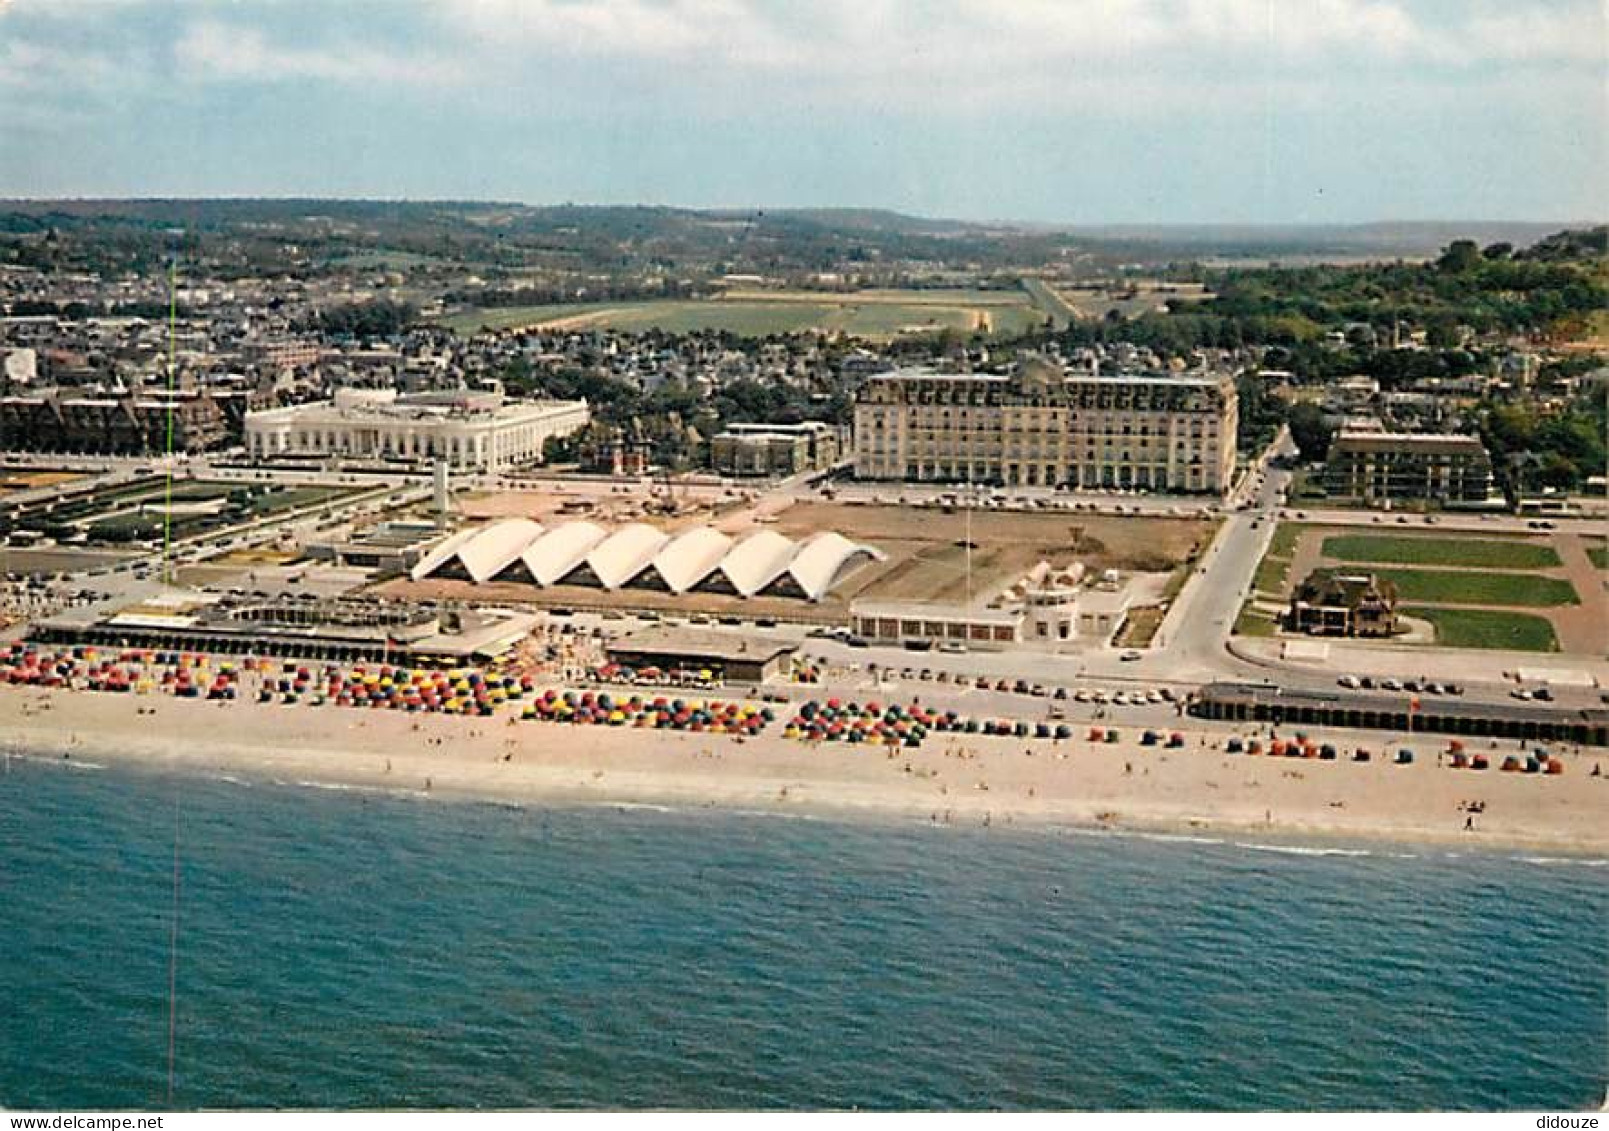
1344,604
122,422
742,657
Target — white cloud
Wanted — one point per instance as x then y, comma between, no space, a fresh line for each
958,56
970,55
837,35
1580,35
213,50
28,64
733,30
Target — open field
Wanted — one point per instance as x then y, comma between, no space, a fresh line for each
44,562
927,557
756,313
1273,575
944,296
1488,628
12,480
254,558
1459,587
1599,556
1386,549
1130,298
1251,621
511,317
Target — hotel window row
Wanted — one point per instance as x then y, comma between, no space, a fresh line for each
1045,428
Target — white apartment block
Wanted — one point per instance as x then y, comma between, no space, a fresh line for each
1042,427
472,431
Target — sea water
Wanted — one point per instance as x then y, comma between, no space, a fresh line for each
349,949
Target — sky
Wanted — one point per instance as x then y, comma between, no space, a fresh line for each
1056,111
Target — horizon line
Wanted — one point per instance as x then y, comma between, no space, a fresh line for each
1068,225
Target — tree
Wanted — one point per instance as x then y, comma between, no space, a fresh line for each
1460,256
1310,431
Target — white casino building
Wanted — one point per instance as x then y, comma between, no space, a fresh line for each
471,430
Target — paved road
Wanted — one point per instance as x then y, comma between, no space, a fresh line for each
1192,641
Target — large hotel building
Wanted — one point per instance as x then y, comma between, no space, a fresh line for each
1043,427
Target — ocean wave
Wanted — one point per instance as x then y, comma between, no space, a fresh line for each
1302,849
1178,838
1577,861
345,787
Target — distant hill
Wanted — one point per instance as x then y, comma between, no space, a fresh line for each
1386,239
615,238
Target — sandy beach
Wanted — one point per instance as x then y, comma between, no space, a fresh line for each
951,779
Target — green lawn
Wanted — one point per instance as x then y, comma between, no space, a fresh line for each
1252,622
1472,588
1270,576
1488,628
1599,556
877,315
507,317
1283,543
1491,554
289,498
1274,570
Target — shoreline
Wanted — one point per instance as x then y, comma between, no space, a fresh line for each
1278,839
954,780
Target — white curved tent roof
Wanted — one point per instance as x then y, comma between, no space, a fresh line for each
560,550
690,557
757,561
625,553
820,559
613,559
495,546
442,554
